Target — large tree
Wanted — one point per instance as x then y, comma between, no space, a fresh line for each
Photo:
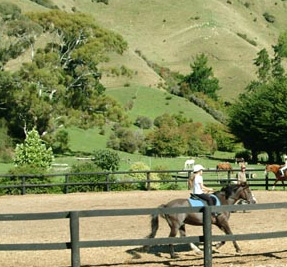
61,85
259,119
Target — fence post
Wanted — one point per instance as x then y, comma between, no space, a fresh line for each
266,181
75,237
148,181
66,184
23,191
207,236
228,176
107,182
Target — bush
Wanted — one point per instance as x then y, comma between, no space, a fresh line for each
33,152
34,176
106,160
269,18
166,176
140,166
85,173
143,122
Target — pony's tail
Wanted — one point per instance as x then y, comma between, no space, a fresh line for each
154,222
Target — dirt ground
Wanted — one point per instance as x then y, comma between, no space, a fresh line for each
255,253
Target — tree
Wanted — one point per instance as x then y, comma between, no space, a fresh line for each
168,142
201,79
33,152
107,160
259,119
264,65
61,86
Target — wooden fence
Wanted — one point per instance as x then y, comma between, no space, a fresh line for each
75,244
178,176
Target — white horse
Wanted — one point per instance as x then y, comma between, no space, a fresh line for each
188,165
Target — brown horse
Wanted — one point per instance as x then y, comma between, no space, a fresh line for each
275,169
226,166
228,195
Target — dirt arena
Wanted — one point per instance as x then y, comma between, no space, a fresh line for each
255,253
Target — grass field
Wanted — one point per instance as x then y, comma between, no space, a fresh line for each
151,103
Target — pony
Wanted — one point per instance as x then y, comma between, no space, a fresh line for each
228,195
224,166
275,169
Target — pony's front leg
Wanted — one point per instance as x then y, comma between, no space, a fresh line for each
224,226
192,246
273,187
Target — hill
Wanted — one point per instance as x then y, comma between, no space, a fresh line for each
171,34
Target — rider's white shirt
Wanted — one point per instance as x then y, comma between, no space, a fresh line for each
197,184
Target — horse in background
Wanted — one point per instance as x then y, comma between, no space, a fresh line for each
275,169
226,166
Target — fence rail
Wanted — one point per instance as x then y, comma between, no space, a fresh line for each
75,244
213,178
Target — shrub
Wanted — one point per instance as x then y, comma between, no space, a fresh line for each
33,152
166,176
269,18
85,173
106,160
140,166
143,122
33,176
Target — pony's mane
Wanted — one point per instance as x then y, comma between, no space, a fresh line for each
229,189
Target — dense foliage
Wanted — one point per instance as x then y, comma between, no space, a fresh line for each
61,85
259,117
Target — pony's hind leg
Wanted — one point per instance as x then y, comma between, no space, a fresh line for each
173,232
192,246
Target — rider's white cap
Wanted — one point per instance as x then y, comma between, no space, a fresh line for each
197,168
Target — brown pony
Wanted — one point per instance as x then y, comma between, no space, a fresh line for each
275,169
226,166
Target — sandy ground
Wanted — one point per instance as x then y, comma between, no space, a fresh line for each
255,253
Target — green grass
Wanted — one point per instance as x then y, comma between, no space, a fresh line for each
150,102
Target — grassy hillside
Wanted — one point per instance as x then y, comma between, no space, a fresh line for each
171,33
150,102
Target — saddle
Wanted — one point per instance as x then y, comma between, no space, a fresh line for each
196,201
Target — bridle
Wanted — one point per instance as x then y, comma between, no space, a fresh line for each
242,192
247,195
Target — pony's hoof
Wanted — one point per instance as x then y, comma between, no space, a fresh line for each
174,256
145,248
198,252
238,251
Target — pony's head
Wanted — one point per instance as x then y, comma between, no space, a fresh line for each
237,192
